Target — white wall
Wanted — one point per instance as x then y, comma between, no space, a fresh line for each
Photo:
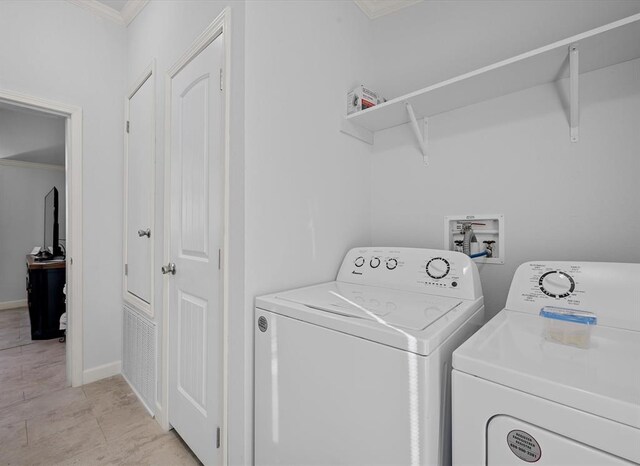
436,40
299,169
307,185
55,50
22,192
512,155
163,31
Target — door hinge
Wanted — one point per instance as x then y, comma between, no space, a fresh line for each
128,125
218,438
126,269
219,259
221,78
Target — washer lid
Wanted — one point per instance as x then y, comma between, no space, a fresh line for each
602,380
415,322
409,310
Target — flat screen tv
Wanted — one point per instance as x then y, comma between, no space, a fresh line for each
51,227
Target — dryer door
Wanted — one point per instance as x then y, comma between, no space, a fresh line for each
512,442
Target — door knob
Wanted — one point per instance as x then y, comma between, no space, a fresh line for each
146,233
169,268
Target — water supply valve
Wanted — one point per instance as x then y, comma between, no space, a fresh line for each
489,247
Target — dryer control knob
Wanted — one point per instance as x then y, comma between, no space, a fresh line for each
375,262
556,284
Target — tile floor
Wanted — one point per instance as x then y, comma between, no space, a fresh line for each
43,421
14,328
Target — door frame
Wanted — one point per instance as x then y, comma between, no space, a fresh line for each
222,24
73,182
149,74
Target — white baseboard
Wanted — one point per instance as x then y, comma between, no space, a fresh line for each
13,304
101,372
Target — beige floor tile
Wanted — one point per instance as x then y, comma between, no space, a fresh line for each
11,394
110,384
145,445
118,398
121,422
10,372
44,348
60,445
45,425
44,380
164,451
13,434
99,424
42,404
10,356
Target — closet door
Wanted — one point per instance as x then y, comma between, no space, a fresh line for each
139,190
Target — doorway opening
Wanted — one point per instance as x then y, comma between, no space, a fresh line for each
41,231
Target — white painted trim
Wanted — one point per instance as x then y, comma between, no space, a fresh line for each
123,18
375,9
73,159
222,24
23,164
102,372
100,9
129,298
131,9
13,304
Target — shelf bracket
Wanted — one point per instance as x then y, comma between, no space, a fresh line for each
574,96
422,139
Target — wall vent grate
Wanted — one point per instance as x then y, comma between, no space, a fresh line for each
139,355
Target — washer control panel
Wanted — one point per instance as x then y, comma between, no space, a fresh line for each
444,273
611,291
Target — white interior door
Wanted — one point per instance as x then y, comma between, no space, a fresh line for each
195,291
139,197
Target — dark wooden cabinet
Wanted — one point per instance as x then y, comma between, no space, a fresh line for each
45,297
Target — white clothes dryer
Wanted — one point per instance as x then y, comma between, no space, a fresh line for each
357,371
520,399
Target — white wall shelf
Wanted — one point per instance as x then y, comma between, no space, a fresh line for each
607,45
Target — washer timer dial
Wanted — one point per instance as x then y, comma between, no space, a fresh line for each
557,284
438,267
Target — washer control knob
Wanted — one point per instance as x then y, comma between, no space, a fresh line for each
359,262
438,267
374,262
392,263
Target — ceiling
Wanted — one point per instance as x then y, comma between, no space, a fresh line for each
31,136
117,5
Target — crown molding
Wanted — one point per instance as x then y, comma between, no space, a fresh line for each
21,164
377,8
131,10
122,18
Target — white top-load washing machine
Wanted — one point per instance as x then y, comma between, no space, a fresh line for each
518,398
357,371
